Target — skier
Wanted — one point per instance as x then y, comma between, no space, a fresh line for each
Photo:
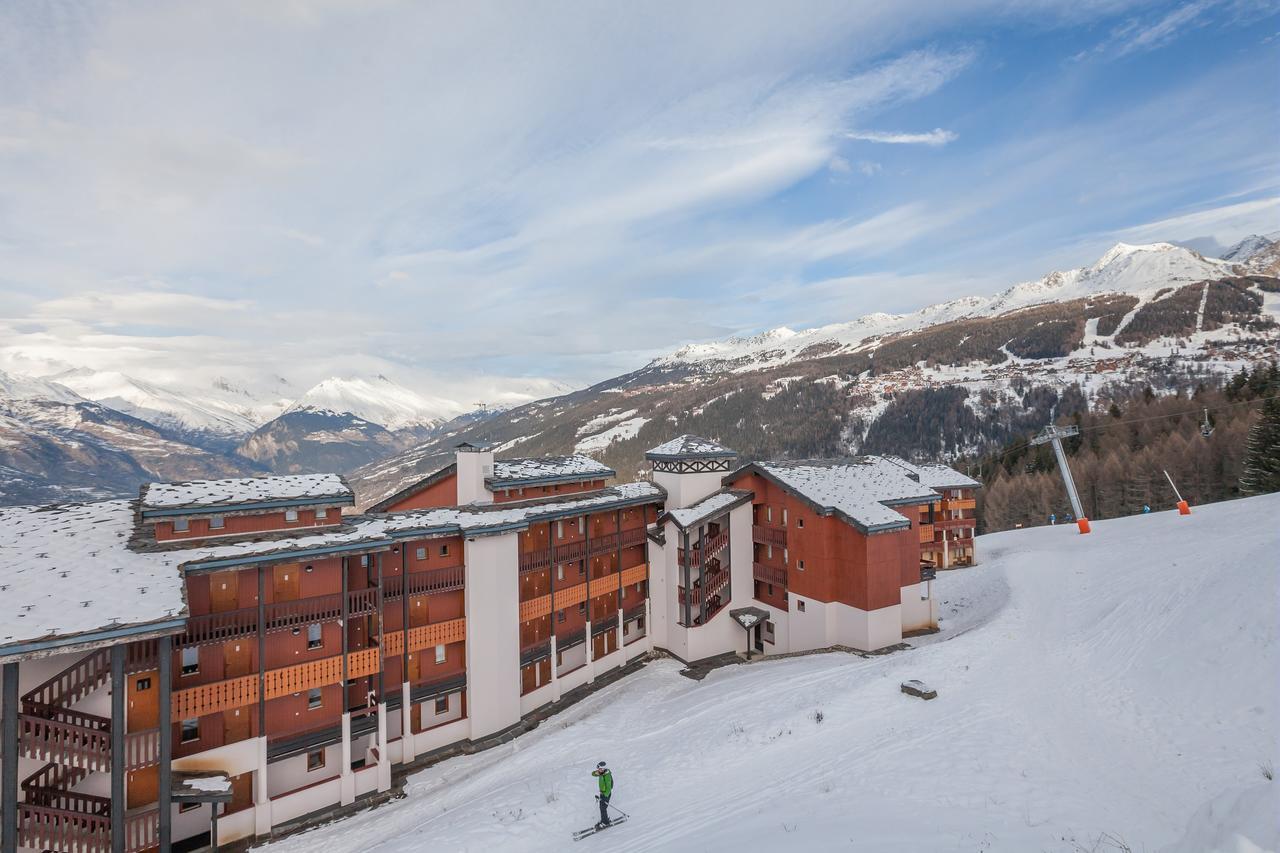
1053,518
1145,509
605,780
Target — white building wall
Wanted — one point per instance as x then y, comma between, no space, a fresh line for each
919,607
473,467
427,716
687,489
493,633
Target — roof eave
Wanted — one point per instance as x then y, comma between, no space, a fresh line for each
216,509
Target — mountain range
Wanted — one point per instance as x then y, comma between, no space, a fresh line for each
944,380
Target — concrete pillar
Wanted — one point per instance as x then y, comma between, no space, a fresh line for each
164,653
408,749
590,650
384,757
348,779
117,748
648,624
261,795
555,675
620,646
946,558
9,760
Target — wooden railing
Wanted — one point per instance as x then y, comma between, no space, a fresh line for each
141,749
952,523
64,743
536,608
959,503
715,584
769,535
71,684
769,574
706,550
568,552
238,692
44,828
142,830
926,532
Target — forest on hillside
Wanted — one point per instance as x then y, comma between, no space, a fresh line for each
1127,443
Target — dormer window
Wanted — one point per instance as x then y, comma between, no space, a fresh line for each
321,514
290,515
181,525
217,522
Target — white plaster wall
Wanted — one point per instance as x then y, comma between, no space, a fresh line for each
234,826
867,631
687,489
305,802
194,822
781,630
291,773
233,758
493,633
919,608
662,587
442,736
366,781
473,467
577,678
806,630
427,716
571,659
532,701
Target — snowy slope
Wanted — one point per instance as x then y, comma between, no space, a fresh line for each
379,400
222,408
15,387
1139,270
1119,683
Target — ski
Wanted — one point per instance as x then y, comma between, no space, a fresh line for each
583,833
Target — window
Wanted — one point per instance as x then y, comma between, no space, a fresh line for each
799,522
582,607
768,513
290,515
582,524
559,615
420,554
190,730
217,522
768,551
442,705
190,660
559,573
800,565
440,654
143,684
800,606
522,491
444,550
315,759
364,561
314,698
320,516
784,516
784,556
640,587
559,529
180,525
770,589
315,637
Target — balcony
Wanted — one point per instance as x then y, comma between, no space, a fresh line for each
926,532
569,552
953,523
763,535
769,574
715,584
959,503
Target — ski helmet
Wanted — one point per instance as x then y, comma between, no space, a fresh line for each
600,766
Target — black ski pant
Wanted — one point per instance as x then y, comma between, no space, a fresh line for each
604,808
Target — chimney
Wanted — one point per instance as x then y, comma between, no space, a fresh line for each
475,462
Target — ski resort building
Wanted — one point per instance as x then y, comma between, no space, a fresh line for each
953,520
228,658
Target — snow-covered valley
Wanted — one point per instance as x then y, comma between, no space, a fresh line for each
1116,688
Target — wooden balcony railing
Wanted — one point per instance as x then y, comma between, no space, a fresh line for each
769,574
952,523
926,532
536,608
141,749
959,503
43,828
715,584
64,743
238,692
607,624
568,552
71,684
776,536
142,830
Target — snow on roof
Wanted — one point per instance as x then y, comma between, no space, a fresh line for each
239,491
689,445
857,488
547,467
707,507
75,569
935,475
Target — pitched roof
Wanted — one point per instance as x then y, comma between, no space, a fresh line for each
935,475
414,487
72,570
861,490
158,499
688,446
546,469
713,504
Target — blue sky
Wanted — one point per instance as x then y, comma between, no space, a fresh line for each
490,199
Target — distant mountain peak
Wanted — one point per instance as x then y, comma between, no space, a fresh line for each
377,399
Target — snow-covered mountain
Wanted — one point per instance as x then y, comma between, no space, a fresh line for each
378,400
1124,269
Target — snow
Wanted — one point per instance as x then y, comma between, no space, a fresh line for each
601,421
689,445
239,491
210,784
936,476
706,508
620,432
15,387
1121,683
857,488
507,471
1139,270
378,400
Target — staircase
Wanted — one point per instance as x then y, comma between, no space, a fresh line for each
74,744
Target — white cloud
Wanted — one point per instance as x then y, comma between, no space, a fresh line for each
933,138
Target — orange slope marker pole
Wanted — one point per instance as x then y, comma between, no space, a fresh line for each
1183,507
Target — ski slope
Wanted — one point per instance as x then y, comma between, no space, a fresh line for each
1120,683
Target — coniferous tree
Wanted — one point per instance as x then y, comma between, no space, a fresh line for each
1262,460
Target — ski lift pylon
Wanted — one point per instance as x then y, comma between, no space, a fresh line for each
1206,428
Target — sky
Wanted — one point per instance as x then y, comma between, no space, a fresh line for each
489,201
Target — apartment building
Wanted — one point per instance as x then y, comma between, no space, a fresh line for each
229,657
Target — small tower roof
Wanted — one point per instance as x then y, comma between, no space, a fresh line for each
690,447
